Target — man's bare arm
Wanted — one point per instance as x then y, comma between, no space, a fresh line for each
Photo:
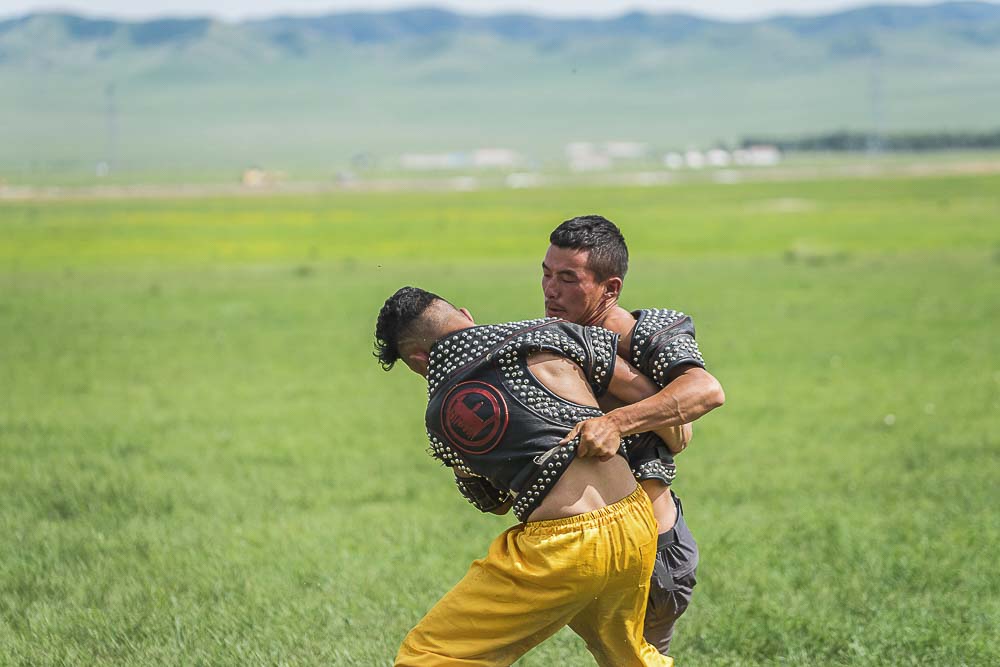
691,393
629,386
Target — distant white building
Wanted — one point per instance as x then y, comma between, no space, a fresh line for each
757,156
673,160
718,157
694,159
590,156
481,158
495,158
430,161
626,150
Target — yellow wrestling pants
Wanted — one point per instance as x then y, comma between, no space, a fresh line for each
590,572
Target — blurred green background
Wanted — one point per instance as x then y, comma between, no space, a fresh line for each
204,465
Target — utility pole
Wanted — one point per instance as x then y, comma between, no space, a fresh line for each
110,131
876,139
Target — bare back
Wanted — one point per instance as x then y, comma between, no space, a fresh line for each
588,484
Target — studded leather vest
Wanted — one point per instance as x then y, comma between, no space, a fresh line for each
489,417
661,341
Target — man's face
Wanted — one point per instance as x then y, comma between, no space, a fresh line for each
571,290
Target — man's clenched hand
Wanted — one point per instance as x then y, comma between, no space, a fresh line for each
599,437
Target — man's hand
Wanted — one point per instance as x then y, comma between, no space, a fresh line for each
600,437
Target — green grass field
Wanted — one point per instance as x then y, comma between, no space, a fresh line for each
202,463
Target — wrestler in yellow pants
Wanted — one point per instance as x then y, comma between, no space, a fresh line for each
590,572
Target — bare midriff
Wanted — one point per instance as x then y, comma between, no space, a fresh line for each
587,485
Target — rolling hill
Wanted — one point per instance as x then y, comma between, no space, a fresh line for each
305,94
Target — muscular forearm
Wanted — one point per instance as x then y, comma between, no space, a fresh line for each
693,394
628,386
634,391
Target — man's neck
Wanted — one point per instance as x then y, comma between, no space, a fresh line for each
610,315
600,314
622,322
424,344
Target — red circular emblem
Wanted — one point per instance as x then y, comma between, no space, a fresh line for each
474,417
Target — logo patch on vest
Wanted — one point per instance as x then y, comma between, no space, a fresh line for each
474,417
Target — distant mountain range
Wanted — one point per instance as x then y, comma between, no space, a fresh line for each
308,93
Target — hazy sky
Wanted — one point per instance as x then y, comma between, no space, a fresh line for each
236,9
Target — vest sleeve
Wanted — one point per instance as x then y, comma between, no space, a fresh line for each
664,344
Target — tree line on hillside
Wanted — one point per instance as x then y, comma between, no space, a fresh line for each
847,141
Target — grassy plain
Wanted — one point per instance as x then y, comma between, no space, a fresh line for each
203,465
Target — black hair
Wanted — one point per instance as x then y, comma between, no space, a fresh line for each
601,238
397,315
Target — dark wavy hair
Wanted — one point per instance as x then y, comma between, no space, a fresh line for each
397,315
601,238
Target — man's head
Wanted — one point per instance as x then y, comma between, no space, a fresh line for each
410,322
584,268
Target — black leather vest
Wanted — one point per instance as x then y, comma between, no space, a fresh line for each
488,416
661,340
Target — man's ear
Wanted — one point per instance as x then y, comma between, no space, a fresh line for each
467,314
613,287
417,361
